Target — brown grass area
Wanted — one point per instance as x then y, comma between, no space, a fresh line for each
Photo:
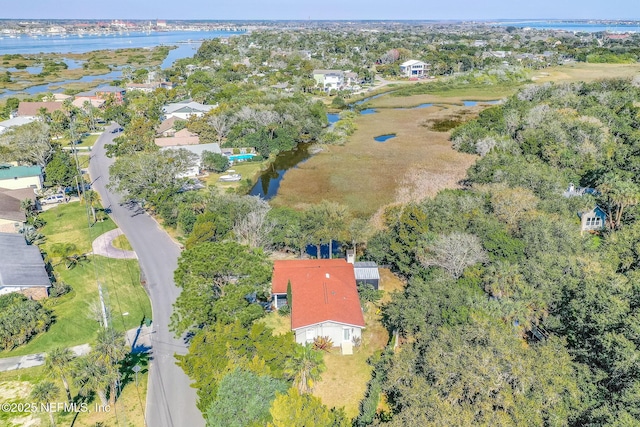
389,283
366,175
344,382
586,72
414,100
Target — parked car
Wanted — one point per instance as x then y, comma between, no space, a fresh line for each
54,198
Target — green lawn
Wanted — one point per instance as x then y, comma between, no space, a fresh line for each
68,223
74,324
85,141
120,280
121,242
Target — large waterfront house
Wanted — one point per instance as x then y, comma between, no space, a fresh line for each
197,150
334,79
414,68
325,301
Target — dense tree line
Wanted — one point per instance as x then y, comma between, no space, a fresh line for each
511,316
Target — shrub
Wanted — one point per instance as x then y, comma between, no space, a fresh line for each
322,343
21,319
58,289
285,310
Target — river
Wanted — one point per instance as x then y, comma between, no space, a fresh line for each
74,43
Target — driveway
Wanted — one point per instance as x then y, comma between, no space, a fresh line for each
171,402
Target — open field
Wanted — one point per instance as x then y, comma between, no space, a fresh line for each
581,71
15,387
366,175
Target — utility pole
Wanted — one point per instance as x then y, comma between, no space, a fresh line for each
103,307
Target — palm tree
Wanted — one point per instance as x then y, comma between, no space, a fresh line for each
92,377
44,392
305,367
91,197
57,363
66,251
111,349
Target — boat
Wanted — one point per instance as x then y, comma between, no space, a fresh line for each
231,177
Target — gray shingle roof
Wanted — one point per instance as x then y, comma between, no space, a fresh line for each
21,265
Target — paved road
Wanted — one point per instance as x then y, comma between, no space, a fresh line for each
31,360
139,339
103,245
171,402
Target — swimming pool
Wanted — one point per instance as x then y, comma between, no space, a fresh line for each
237,157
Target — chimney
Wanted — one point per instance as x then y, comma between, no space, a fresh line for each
351,256
327,276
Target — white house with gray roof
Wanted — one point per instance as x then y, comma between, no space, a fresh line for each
184,110
22,267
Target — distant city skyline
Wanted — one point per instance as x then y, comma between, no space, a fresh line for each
321,10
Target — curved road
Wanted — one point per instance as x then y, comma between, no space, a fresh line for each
171,402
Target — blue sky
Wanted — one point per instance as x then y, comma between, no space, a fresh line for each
320,9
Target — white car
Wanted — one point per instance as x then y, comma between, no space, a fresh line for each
55,198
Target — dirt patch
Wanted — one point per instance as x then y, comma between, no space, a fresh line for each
366,175
11,390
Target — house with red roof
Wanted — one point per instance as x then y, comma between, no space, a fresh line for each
325,299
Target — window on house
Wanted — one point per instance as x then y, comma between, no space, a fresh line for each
347,334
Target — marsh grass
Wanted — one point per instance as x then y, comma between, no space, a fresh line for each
366,175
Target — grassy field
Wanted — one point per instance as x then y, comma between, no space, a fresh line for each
581,71
121,242
68,223
366,175
120,280
15,387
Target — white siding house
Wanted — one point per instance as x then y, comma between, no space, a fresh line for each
414,68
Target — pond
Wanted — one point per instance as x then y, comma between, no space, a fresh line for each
368,111
333,118
383,138
474,103
269,181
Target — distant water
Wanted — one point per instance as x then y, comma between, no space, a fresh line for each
73,43
188,43
587,27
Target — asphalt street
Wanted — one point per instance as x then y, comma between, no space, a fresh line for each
171,402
